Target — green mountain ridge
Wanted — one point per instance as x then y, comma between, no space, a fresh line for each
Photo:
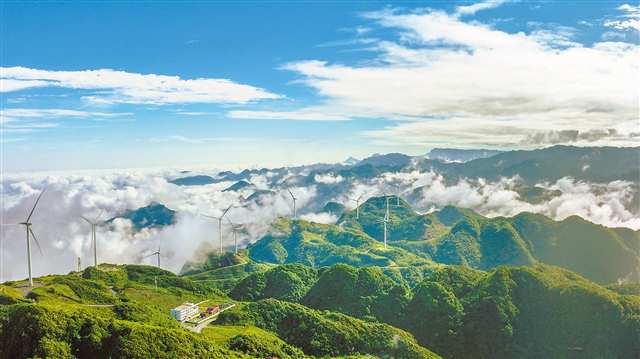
453,236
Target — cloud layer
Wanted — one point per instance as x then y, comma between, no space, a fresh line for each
64,236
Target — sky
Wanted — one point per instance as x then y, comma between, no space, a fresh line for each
86,85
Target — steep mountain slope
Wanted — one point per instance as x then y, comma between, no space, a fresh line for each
326,333
523,312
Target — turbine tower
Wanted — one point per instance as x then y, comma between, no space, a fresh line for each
385,221
94,224
235,228
295,214
357,201
30,234
219,219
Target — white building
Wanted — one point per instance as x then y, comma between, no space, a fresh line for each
185,311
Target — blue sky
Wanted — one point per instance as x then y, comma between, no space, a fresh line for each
224,84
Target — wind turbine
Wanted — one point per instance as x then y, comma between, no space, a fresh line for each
94,241
220,224
295,214
30,234
235,228
357,200
156,253
385,221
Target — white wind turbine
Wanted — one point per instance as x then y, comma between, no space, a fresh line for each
398,196
30,234
219,219
156,253
295,214
94,224
385,221
235,228
357,201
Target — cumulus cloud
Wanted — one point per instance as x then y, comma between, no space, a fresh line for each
451,80
134,88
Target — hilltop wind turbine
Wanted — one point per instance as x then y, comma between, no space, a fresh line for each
156,253
295,214
385,221
30,234
94,224
357,200
235,228
220,224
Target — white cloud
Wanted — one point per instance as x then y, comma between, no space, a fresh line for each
128,87
325,218
23,120
467,83
328,178
483,5
630,20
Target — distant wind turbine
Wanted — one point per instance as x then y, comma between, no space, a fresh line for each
156,253
94,224
385,220
357,200
235,228
295,214
30,234
219,219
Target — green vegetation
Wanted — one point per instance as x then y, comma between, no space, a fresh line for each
288,282
251,340
326,333
318,245
153,215
525,312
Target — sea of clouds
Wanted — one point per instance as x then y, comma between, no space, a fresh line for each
64,236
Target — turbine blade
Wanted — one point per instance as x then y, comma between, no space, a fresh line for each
208,216
36,240
35,204
231,223
85,218
99,215
226,210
